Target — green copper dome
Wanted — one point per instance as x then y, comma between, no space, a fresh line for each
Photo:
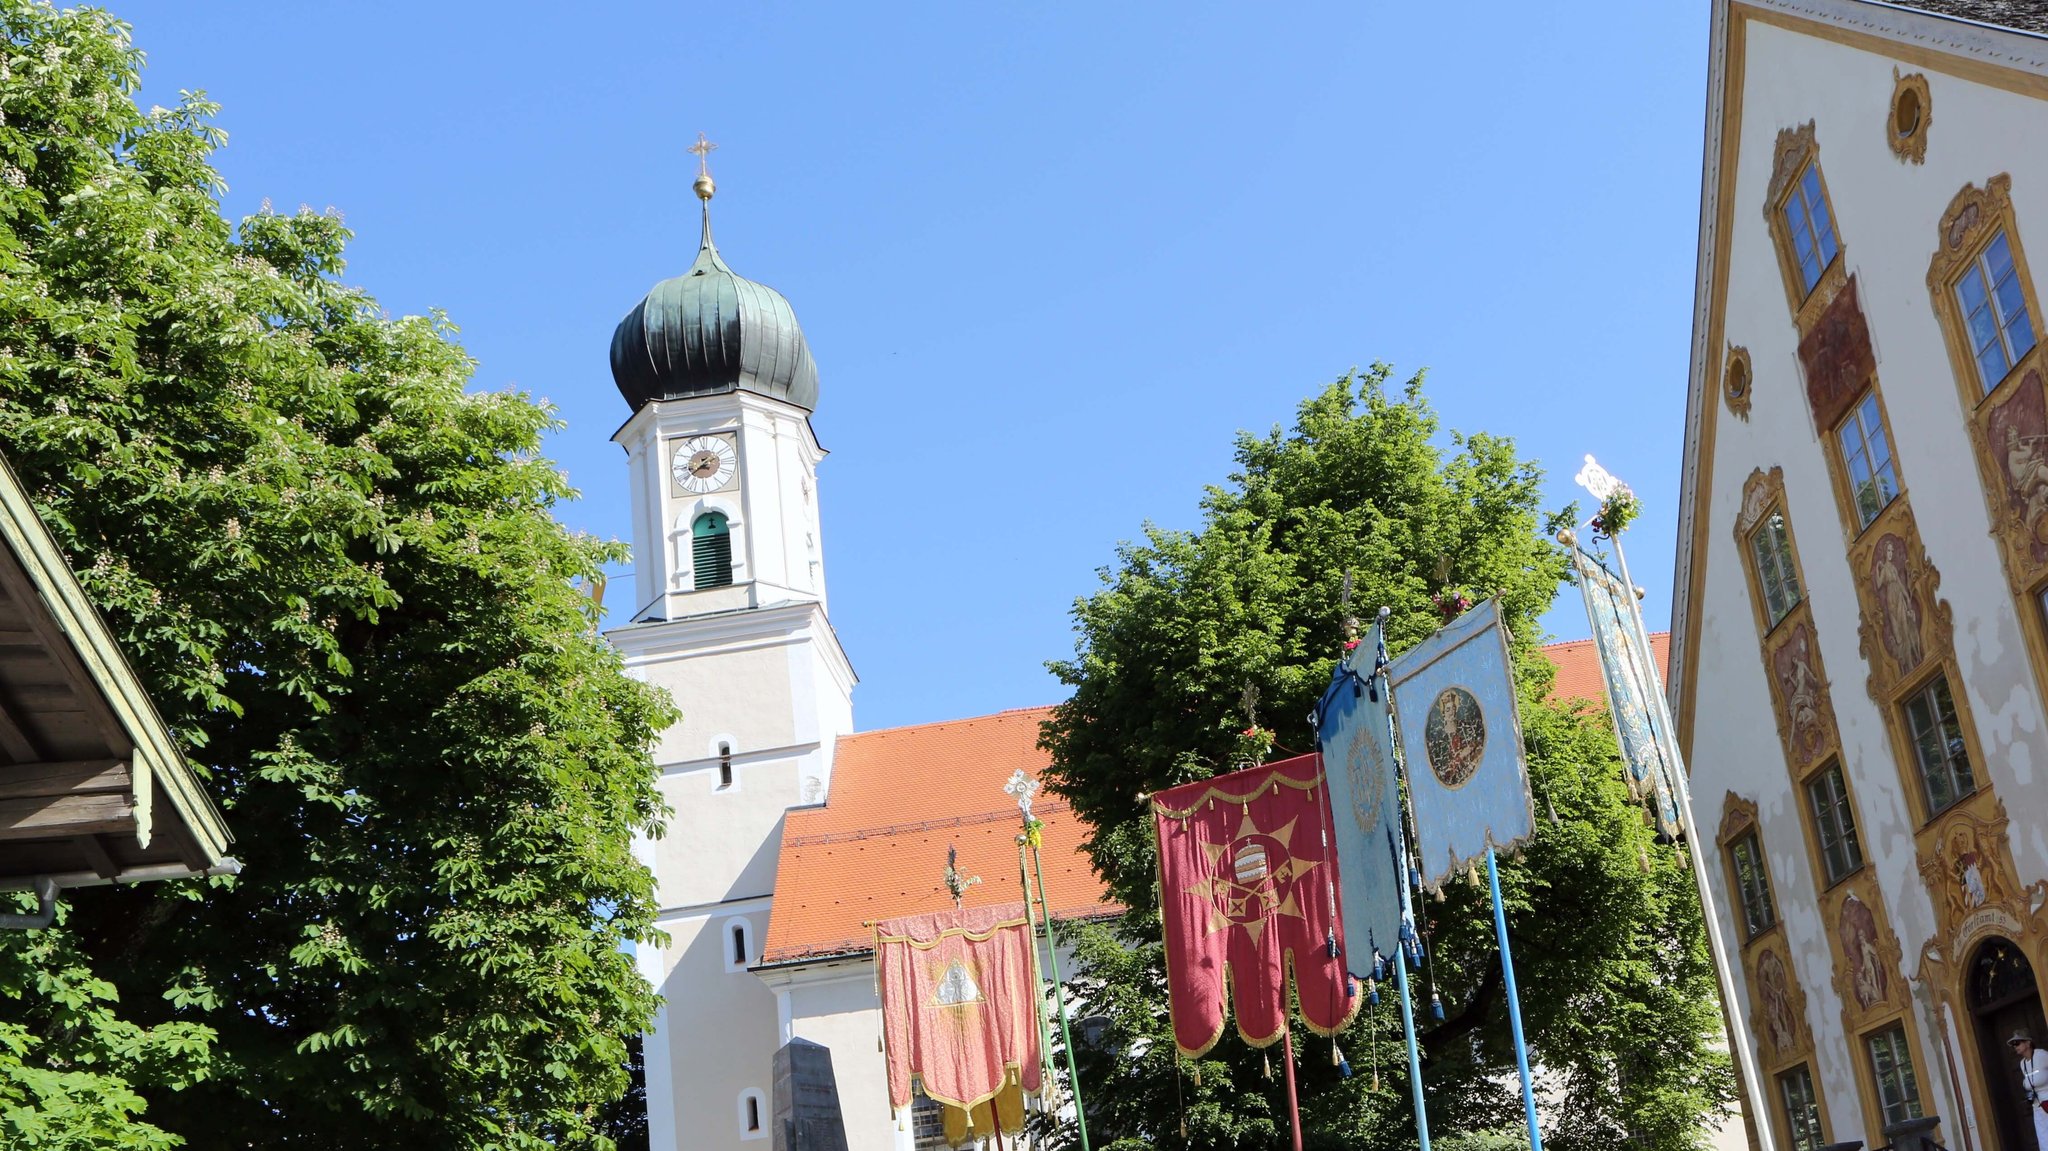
709,331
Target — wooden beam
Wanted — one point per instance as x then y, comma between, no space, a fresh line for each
92,696
96,855
13,740
27,780
65,815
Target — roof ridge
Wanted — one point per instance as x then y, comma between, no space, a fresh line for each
950,722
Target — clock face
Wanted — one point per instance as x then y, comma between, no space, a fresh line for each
704,463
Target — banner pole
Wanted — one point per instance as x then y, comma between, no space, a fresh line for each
1681,786
1385,683
1507,970
1408,1030
1293,1102
1045,1068
1059,993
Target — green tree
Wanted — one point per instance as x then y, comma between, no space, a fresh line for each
339,574
1190,627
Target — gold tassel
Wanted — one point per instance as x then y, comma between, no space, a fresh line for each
1643,854
1472,874
1198,1075
901,1123
1269,1068
1336,1056
1183,1130
1375,1079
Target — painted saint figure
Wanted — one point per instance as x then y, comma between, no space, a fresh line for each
1901,614
2027,470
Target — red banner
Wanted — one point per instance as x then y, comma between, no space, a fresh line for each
1248,892
959,1004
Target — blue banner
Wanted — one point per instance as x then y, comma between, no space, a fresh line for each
1353,733
1461,738
1646,756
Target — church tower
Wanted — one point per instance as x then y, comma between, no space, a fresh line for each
729,616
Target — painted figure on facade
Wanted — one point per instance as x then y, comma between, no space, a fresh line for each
1898,611
1837,357
2018,433
1973,880
1868,980
1775,987
1804,695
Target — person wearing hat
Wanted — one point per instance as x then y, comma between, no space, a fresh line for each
2034,1074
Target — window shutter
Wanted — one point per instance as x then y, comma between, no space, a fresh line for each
711,550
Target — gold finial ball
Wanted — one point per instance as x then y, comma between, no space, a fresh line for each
1568,538
704,187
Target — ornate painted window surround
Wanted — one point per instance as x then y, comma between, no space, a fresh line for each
1839,368
1777,1002
1796,151
2012,468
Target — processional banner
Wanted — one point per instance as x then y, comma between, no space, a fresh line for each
1355,734
1648,761
959,994
1248,892
1454,698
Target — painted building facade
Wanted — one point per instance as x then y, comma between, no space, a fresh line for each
1863,556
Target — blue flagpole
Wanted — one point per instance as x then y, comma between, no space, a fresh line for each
1507,970
1407,940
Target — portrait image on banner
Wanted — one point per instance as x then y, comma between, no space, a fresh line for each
1247,894
1355,736
1461,735
959,993
1626,672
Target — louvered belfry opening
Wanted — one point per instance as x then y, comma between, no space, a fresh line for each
711,551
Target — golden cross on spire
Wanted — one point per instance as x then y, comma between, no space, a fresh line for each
702,149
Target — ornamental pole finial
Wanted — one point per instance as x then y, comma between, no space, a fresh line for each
702,149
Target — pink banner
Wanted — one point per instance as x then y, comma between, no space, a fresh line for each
959,1004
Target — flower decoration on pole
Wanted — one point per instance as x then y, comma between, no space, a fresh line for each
1618,504
1025,788
1451,603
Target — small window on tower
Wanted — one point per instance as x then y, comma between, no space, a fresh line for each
724,766
711,550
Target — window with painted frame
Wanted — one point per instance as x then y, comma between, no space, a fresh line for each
1891,1069
1991,299
1753,885
1834,823
1810,225
1801,1108
1941,756
1867,457
1770,549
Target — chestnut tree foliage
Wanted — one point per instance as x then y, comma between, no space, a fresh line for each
1191,627
338,572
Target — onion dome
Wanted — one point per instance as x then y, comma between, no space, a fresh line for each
709,331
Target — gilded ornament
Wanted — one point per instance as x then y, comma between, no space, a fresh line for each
1912,110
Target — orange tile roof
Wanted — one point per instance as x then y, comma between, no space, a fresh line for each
1578,667
900,797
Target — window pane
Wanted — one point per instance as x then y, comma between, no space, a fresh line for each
1834,823
1998,256
2011,303
2020,334
1802,1110
1753,885
1970,290
1891,1064
1827,235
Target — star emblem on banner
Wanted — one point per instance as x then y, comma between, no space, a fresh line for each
1252,878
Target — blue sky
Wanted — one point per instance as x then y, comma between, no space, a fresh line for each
1049,258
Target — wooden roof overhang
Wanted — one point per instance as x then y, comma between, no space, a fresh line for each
92,787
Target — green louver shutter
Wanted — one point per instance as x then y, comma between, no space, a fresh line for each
711,550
